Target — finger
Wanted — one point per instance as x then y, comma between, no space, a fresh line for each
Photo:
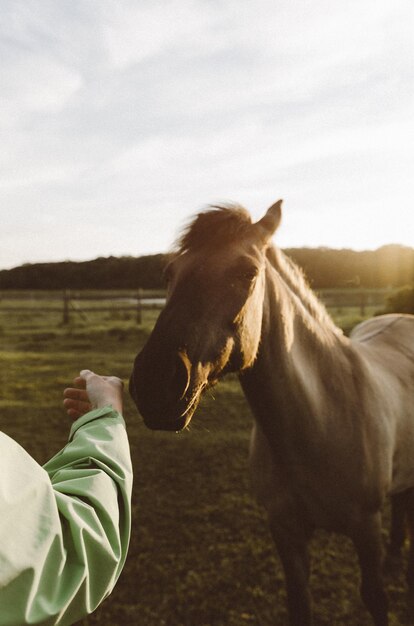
74,414
77,394
80,382
77,410
78,405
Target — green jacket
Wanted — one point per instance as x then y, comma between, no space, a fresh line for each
64,528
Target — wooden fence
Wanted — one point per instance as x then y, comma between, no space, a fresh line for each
355,297
79,303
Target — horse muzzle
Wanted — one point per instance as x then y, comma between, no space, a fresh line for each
165,394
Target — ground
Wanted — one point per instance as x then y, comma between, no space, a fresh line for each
200,553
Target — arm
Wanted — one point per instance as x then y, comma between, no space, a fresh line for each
64,528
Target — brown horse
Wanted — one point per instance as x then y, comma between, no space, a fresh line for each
334,416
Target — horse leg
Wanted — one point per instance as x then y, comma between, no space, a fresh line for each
399,504
368,544
291,543
410,567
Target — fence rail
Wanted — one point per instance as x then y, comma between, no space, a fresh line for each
71,303
360,298
79,303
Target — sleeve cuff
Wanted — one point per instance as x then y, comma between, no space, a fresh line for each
106,411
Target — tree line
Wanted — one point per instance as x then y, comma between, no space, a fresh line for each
388,266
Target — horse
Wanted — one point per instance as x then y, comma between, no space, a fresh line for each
333,430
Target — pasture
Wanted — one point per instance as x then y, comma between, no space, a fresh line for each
200,553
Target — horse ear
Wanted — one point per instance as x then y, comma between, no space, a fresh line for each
269,223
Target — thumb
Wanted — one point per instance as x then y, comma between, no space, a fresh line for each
86,374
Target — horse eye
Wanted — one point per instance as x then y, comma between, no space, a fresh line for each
248,274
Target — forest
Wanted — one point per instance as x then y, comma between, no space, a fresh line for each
388,266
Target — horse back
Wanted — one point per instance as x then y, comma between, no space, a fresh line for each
393,332
387,345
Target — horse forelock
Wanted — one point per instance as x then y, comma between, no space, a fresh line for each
217,225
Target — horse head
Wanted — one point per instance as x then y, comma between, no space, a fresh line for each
211,322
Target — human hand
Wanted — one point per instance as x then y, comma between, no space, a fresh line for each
92,392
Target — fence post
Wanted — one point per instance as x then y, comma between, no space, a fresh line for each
362,302
139,306
66,300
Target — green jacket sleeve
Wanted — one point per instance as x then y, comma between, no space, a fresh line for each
64,528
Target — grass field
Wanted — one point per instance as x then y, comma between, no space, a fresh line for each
200,553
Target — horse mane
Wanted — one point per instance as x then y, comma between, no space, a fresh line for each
297,284
217,225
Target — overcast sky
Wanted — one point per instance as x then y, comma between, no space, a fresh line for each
121,119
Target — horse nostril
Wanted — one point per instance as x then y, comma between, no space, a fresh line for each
181,374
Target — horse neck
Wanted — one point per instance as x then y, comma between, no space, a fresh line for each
293,316
302,355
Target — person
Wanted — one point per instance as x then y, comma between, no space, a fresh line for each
65,527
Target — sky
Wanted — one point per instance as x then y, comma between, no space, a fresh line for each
121,119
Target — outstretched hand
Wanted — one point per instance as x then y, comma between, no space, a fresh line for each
91,392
